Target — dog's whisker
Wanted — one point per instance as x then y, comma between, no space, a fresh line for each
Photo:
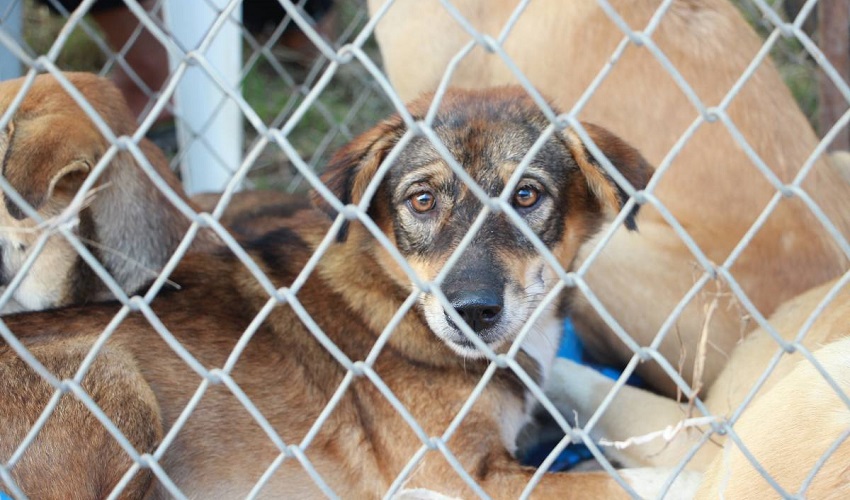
152,272
541,284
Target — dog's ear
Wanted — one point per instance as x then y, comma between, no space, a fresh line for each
46,156
352,168
626,159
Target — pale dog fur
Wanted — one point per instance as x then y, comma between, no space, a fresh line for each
778,421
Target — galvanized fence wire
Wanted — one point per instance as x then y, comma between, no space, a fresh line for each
349,51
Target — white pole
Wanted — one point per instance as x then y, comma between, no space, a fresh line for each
12,21
209,124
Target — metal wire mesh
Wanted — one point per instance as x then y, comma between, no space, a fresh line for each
320,104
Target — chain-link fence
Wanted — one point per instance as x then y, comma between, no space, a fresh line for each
310,78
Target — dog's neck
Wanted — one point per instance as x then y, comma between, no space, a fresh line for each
377,299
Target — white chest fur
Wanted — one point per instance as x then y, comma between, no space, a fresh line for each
541,345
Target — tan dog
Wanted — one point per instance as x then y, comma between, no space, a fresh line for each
790,449
777,424
712,187
423,208
48,150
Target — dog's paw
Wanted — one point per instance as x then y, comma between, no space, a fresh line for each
576,390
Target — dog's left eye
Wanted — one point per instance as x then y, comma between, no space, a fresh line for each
422,202
526,197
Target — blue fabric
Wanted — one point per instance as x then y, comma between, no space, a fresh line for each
571,348
4,496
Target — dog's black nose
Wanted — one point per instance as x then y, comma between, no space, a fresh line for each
480,309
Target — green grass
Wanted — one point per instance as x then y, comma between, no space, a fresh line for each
41,28
803,82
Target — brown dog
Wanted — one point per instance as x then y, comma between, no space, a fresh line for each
362,443
711,187
48,150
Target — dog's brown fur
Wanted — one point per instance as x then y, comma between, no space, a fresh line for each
352,295
712,187
252,214
49,148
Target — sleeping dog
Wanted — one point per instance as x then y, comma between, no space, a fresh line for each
795,417
48,149
500,291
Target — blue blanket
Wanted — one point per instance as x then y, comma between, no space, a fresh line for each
571,348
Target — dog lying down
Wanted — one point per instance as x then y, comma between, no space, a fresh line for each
351,433
49,148
795,418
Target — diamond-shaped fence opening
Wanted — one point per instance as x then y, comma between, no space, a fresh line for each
307,78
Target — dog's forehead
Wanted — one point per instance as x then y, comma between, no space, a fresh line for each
499,128
480,144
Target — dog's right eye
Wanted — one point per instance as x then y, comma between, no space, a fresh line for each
422,202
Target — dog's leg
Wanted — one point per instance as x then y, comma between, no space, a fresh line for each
73,455
578,391
501,476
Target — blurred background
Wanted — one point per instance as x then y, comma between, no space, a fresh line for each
280,65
